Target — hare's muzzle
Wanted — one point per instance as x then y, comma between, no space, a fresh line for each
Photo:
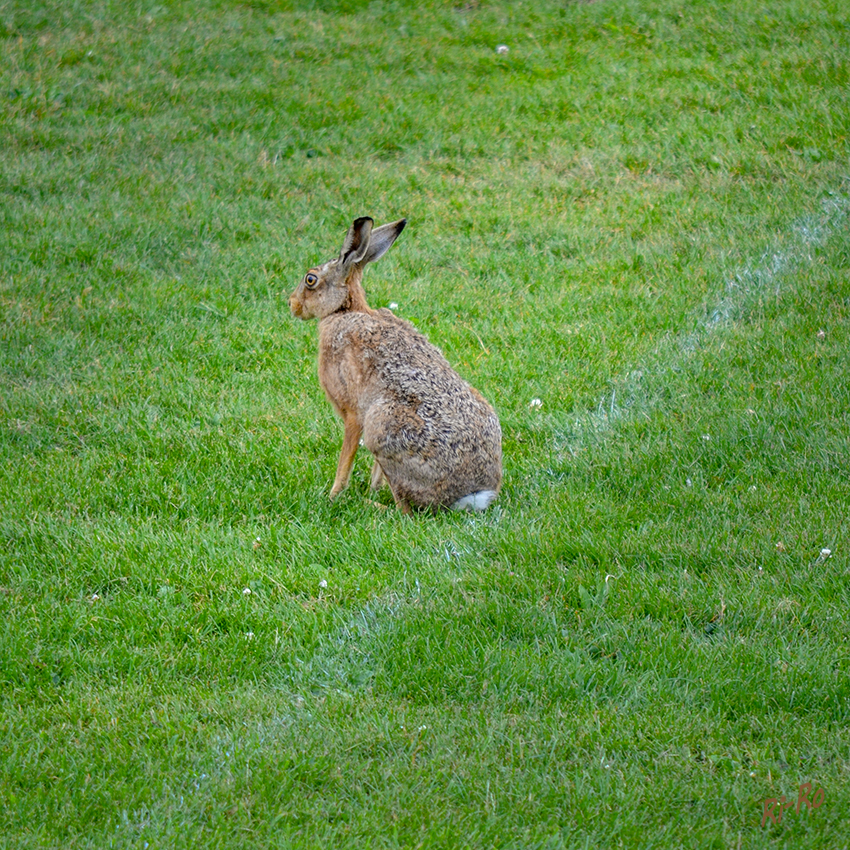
295,305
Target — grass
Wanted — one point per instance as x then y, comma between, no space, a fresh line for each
638,216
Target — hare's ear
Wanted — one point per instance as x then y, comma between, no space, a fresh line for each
382,239
356,241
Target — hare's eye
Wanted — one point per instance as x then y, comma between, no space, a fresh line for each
311,280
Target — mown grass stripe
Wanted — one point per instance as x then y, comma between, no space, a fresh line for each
641,389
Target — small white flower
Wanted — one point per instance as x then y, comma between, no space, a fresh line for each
249,636
825,553
502,48
323,583
246,591
706,437
688,482
94,597
536,402
821,334
392,305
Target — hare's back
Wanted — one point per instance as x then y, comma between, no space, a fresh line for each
392,353
415,368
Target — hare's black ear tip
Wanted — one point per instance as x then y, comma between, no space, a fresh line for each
402,224
359,222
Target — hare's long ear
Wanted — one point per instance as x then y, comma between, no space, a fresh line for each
382,239
356,241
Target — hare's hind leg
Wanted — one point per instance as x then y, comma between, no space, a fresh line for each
350,442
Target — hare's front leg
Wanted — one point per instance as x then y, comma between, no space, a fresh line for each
377,476
350,442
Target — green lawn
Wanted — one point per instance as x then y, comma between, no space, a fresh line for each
630,231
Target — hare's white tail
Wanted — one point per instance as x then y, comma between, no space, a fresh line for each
479,501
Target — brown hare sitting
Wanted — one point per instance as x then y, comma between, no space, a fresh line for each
435,439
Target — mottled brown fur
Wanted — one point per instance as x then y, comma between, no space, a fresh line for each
434,438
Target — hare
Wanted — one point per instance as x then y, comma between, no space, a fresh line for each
435,439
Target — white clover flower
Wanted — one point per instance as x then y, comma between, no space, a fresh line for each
323,583
536,402
392,305
502,48
246,591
